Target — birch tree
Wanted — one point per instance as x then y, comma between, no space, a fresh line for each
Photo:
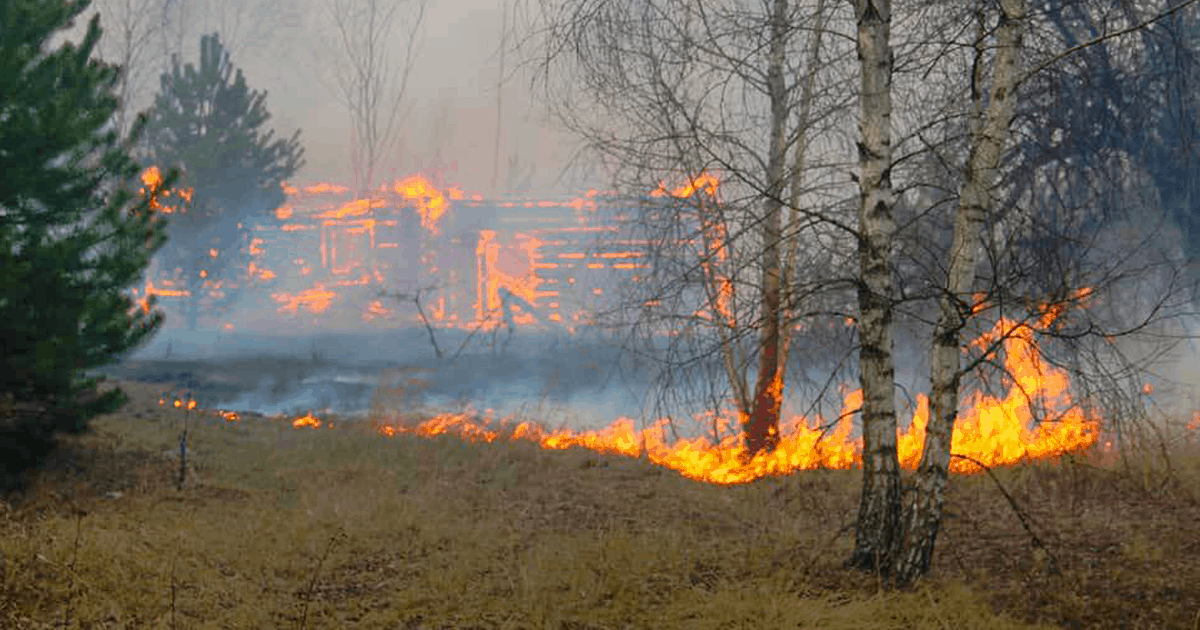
991,229
990,133
878,515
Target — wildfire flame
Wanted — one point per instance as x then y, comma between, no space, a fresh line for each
375,310
152,180
317,189
1035,419
350,237
705,181
307,420
431,203
315,300
355,208
993,430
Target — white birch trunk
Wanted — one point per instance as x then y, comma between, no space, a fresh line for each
877,529
923,515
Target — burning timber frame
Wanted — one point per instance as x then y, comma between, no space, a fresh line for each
326,255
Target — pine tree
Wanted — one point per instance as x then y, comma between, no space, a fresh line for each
208,123
74,236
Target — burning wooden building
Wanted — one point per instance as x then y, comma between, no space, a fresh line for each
327,257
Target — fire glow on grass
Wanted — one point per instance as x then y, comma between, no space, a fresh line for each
993,430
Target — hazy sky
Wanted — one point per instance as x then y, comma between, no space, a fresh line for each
452,91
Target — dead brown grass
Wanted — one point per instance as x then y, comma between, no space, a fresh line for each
343,528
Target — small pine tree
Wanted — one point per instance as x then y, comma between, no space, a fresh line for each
74,237
208,123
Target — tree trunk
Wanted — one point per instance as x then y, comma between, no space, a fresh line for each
762,428
877,530
924,514
791,235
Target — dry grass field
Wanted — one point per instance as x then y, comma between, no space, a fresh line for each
341,527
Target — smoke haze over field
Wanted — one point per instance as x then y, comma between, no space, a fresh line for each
287,49
530,375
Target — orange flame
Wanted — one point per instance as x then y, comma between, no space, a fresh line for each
510,266
317,189
1008,430
151,177
992,430
316,300
152,180
376,310
307,420
355,208
431,203
150,289
706,182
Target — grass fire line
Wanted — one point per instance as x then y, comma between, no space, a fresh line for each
992,430
411,531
